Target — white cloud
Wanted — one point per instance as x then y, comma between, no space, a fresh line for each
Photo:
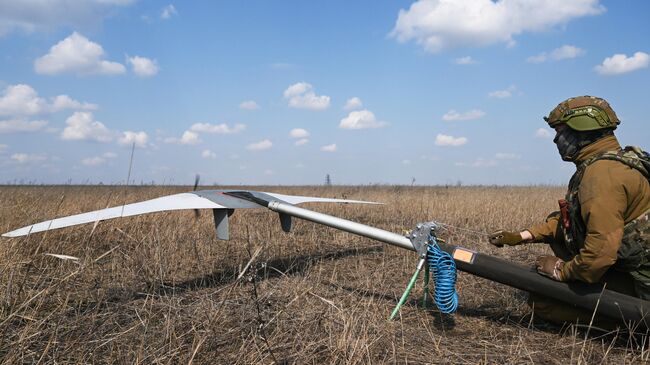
26,158
558,54
438,25
189,138
406,162
93,161
302,96
479,162
142,66
98,160
353,103
453,115
503,94
361,119
249,105
506,156
217,128
329,148
139,138
542,57
76,54
82,126
621,63
21,100
259,146
543,133
297,89
168,11
445,140
3,147
298,133
301,142
21,125
47,15
62,102
467,60
208,154
567,51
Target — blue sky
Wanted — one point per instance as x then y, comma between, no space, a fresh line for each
285,92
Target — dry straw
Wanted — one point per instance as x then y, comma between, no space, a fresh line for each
161,288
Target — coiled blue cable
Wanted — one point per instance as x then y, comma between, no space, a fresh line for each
443,268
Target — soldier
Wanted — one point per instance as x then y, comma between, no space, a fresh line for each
602,231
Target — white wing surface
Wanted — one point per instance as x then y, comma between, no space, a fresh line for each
295,199
171,202
203,199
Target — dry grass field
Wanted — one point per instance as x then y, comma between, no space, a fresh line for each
161,288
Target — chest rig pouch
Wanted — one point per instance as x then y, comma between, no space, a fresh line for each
634,251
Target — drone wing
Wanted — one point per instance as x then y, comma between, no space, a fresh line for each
295,199
171,202
222,203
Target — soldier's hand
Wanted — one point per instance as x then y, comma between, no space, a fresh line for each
550,266
500,238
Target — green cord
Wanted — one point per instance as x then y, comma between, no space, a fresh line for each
408,289
425,295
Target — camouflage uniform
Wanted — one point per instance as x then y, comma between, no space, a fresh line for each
602,231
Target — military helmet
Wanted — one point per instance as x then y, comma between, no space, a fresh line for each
583,113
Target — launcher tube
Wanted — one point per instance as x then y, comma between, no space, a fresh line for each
343,224
608,303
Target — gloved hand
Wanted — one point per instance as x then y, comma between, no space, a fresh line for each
550,266
501,237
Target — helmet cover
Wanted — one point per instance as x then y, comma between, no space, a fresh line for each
583,113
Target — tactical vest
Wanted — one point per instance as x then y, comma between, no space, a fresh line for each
634,251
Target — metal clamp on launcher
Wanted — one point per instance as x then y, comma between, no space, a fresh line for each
433,259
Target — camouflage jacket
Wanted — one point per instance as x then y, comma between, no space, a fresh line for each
610,194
